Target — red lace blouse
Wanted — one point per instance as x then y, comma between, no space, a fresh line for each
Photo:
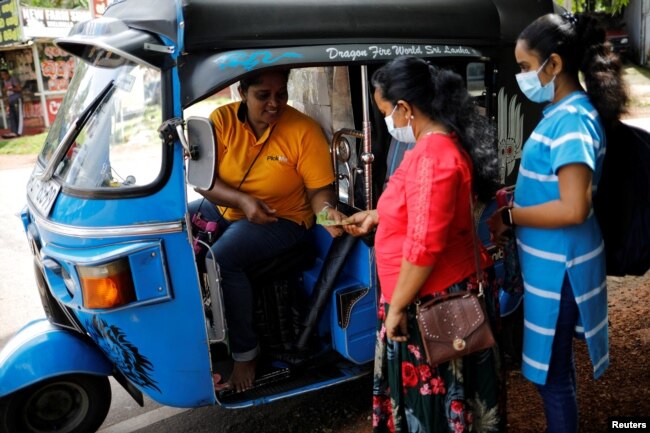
424,217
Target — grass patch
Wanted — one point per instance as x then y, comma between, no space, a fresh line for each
25,145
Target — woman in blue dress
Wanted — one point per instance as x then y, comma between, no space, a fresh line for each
559,241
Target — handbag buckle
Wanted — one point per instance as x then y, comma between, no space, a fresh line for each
459,344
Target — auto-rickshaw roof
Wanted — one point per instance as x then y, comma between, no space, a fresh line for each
228,22
233,24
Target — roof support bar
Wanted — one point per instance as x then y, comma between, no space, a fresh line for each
367,157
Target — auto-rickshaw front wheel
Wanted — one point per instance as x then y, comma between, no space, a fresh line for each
74,403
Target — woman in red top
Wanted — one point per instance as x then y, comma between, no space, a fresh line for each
425,246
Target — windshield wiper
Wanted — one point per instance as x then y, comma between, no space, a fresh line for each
67,140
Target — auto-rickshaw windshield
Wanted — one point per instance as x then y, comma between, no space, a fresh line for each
101,153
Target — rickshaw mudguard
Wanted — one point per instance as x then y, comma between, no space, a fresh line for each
41,350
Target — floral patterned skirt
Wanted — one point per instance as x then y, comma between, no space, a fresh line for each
463,395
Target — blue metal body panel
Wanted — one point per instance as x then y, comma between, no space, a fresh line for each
159,341
41,350
356,341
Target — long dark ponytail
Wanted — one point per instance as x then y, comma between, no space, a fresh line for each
580,41
441,94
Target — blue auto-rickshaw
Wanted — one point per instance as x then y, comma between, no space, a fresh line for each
114,250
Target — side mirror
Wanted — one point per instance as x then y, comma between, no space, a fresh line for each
201,140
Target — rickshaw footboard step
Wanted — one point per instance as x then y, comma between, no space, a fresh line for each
278,382
273,376
262,380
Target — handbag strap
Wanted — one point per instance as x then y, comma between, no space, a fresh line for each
477,259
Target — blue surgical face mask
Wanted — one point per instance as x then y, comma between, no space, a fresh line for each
404,134
531,86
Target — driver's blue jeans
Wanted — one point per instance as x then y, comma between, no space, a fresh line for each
559,392
240,245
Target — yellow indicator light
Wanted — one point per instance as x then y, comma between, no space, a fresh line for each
107,286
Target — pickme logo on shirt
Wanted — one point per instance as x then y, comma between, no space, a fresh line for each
280,158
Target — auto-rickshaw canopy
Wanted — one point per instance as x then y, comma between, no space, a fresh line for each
232,24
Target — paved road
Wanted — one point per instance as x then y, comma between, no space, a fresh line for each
19,300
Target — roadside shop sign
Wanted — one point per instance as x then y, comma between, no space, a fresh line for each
53,104
50,23
9,22
57,67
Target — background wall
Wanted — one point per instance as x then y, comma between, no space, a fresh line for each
637,19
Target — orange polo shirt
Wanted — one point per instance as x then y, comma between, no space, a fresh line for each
296,157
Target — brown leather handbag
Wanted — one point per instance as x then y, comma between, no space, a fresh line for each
455,324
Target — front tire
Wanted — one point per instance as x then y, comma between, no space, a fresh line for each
74,403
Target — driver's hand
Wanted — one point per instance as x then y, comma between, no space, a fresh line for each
257,211
335,217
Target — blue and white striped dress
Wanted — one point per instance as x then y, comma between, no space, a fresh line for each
569,133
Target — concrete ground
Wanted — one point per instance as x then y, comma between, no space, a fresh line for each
638,81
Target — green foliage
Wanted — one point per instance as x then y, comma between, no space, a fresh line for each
25,145
611,7
57,4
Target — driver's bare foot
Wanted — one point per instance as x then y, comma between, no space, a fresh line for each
243,375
